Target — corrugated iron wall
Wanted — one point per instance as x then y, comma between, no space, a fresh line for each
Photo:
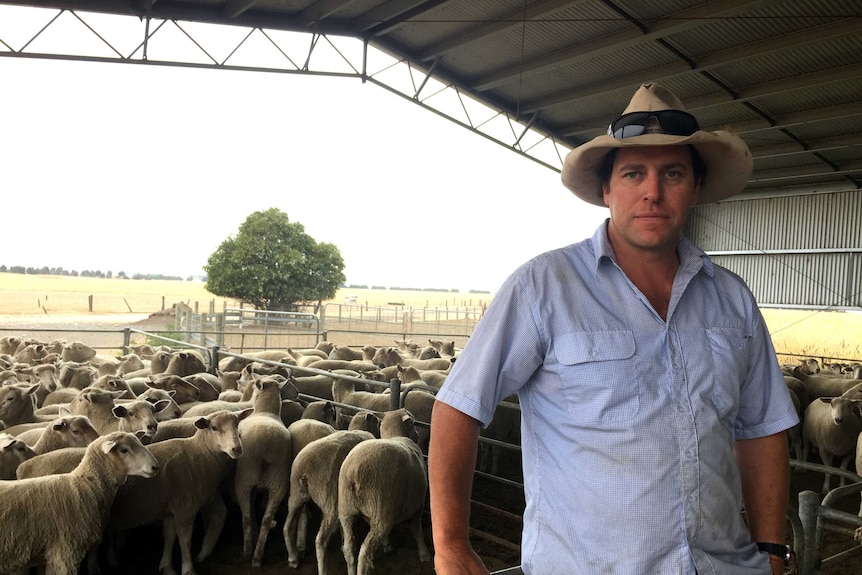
794,251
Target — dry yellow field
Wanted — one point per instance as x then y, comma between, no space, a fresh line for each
22,294
817,334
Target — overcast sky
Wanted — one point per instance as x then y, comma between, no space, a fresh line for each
147,169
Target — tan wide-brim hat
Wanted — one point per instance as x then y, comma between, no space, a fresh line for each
727,158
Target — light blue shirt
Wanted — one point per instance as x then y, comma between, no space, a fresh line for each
628,421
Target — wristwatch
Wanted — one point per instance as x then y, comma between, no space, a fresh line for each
783,551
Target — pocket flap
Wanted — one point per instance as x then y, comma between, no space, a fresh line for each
586,346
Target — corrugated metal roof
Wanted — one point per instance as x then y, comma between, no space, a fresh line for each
786,75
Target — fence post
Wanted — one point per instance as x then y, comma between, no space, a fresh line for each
809,502
90,302
127,338
394,394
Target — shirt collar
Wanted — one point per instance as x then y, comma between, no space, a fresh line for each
690,256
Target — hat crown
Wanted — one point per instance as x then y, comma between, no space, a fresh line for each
652,97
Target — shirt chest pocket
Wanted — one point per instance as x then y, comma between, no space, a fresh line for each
599,378
729,349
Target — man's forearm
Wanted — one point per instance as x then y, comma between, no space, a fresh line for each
451,463
765,473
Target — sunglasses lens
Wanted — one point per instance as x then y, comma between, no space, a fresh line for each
629,125
671,122
677,123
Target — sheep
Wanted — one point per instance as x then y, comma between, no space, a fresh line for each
58,518
13,452
832,425
184,363
107,416
343,391
185,392
46,376
77,351
209,385
364,420
76,375
67,430
314,478
304,431
265,464
321,410
153,395
345,352
9,344
823,385
389,356
31,354
193,469
365,489
16,404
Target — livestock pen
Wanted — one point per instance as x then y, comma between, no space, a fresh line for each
821,528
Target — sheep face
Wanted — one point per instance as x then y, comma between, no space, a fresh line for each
77,430
222,430
137,415
13,452
77,351
126,452
843,409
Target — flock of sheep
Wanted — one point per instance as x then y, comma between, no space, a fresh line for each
108,444
829,402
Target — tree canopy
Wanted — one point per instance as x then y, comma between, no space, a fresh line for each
272,264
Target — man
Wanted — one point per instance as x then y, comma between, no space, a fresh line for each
653,408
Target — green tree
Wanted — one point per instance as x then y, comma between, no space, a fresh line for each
272,264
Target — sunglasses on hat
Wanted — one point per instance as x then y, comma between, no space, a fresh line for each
671,122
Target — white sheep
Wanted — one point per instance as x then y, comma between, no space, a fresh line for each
314,479
17,405
67,430
304,431
832,425
58,518
13,452
383,481
265,464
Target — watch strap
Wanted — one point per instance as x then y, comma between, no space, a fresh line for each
773,549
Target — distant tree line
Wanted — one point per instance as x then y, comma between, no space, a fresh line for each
454,290
46,271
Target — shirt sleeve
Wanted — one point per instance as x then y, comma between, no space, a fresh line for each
765,405
500,357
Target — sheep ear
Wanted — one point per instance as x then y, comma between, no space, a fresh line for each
108,446
60,425
64,411
120,411
202,423
161,405
406,417
244,413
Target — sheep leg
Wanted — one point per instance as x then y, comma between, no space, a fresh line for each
373,541
214,514
826,459
348,544
419,536
169,534
294,512
184,525
276,496
328,526
243,496
301,531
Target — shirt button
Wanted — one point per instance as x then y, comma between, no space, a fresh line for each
593,352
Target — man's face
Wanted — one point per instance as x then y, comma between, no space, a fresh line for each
650,193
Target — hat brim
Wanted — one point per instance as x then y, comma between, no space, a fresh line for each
727,158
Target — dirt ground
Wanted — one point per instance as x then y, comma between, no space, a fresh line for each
143,552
